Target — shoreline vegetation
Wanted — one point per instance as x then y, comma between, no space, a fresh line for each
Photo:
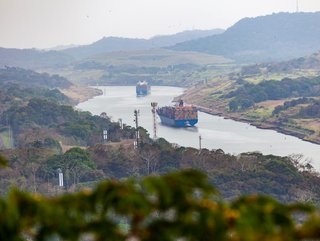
265,126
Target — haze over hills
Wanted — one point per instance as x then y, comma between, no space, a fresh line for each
33,58
266,38
37,59
114,44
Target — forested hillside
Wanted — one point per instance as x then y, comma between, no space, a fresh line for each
18,86
249,94
41,118
29,78
32,107
284,178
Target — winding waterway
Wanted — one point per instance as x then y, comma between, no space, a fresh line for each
216,132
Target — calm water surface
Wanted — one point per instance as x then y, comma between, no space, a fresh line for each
216,132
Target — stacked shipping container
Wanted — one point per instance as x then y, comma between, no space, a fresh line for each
179,116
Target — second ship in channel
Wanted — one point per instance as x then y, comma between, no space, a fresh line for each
142,88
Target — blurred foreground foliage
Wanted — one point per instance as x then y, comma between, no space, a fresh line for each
3,161
177,206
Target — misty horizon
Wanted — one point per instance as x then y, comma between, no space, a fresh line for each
48,24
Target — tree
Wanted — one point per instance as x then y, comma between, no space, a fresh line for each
3,161
30,160
233,105
73,164
77,161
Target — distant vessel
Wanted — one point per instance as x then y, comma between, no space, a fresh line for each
178,116
142,88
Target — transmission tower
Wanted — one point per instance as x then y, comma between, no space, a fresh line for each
136,115
120,123
153,110
105,135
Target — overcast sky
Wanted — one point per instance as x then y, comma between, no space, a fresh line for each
48,23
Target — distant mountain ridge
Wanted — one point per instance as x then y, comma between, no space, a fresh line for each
273,37
62,56
115,44
33,58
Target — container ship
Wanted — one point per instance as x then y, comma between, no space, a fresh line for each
178,116
142,88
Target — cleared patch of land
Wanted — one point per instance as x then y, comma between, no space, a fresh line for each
80,93
5,138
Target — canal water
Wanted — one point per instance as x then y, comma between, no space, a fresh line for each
216,132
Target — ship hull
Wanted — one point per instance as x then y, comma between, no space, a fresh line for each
142,92
142,88
177,123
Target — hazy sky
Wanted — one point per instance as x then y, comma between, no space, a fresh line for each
48,23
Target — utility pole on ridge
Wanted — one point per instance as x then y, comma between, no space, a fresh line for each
136,114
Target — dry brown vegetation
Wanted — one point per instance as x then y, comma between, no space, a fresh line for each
80,93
